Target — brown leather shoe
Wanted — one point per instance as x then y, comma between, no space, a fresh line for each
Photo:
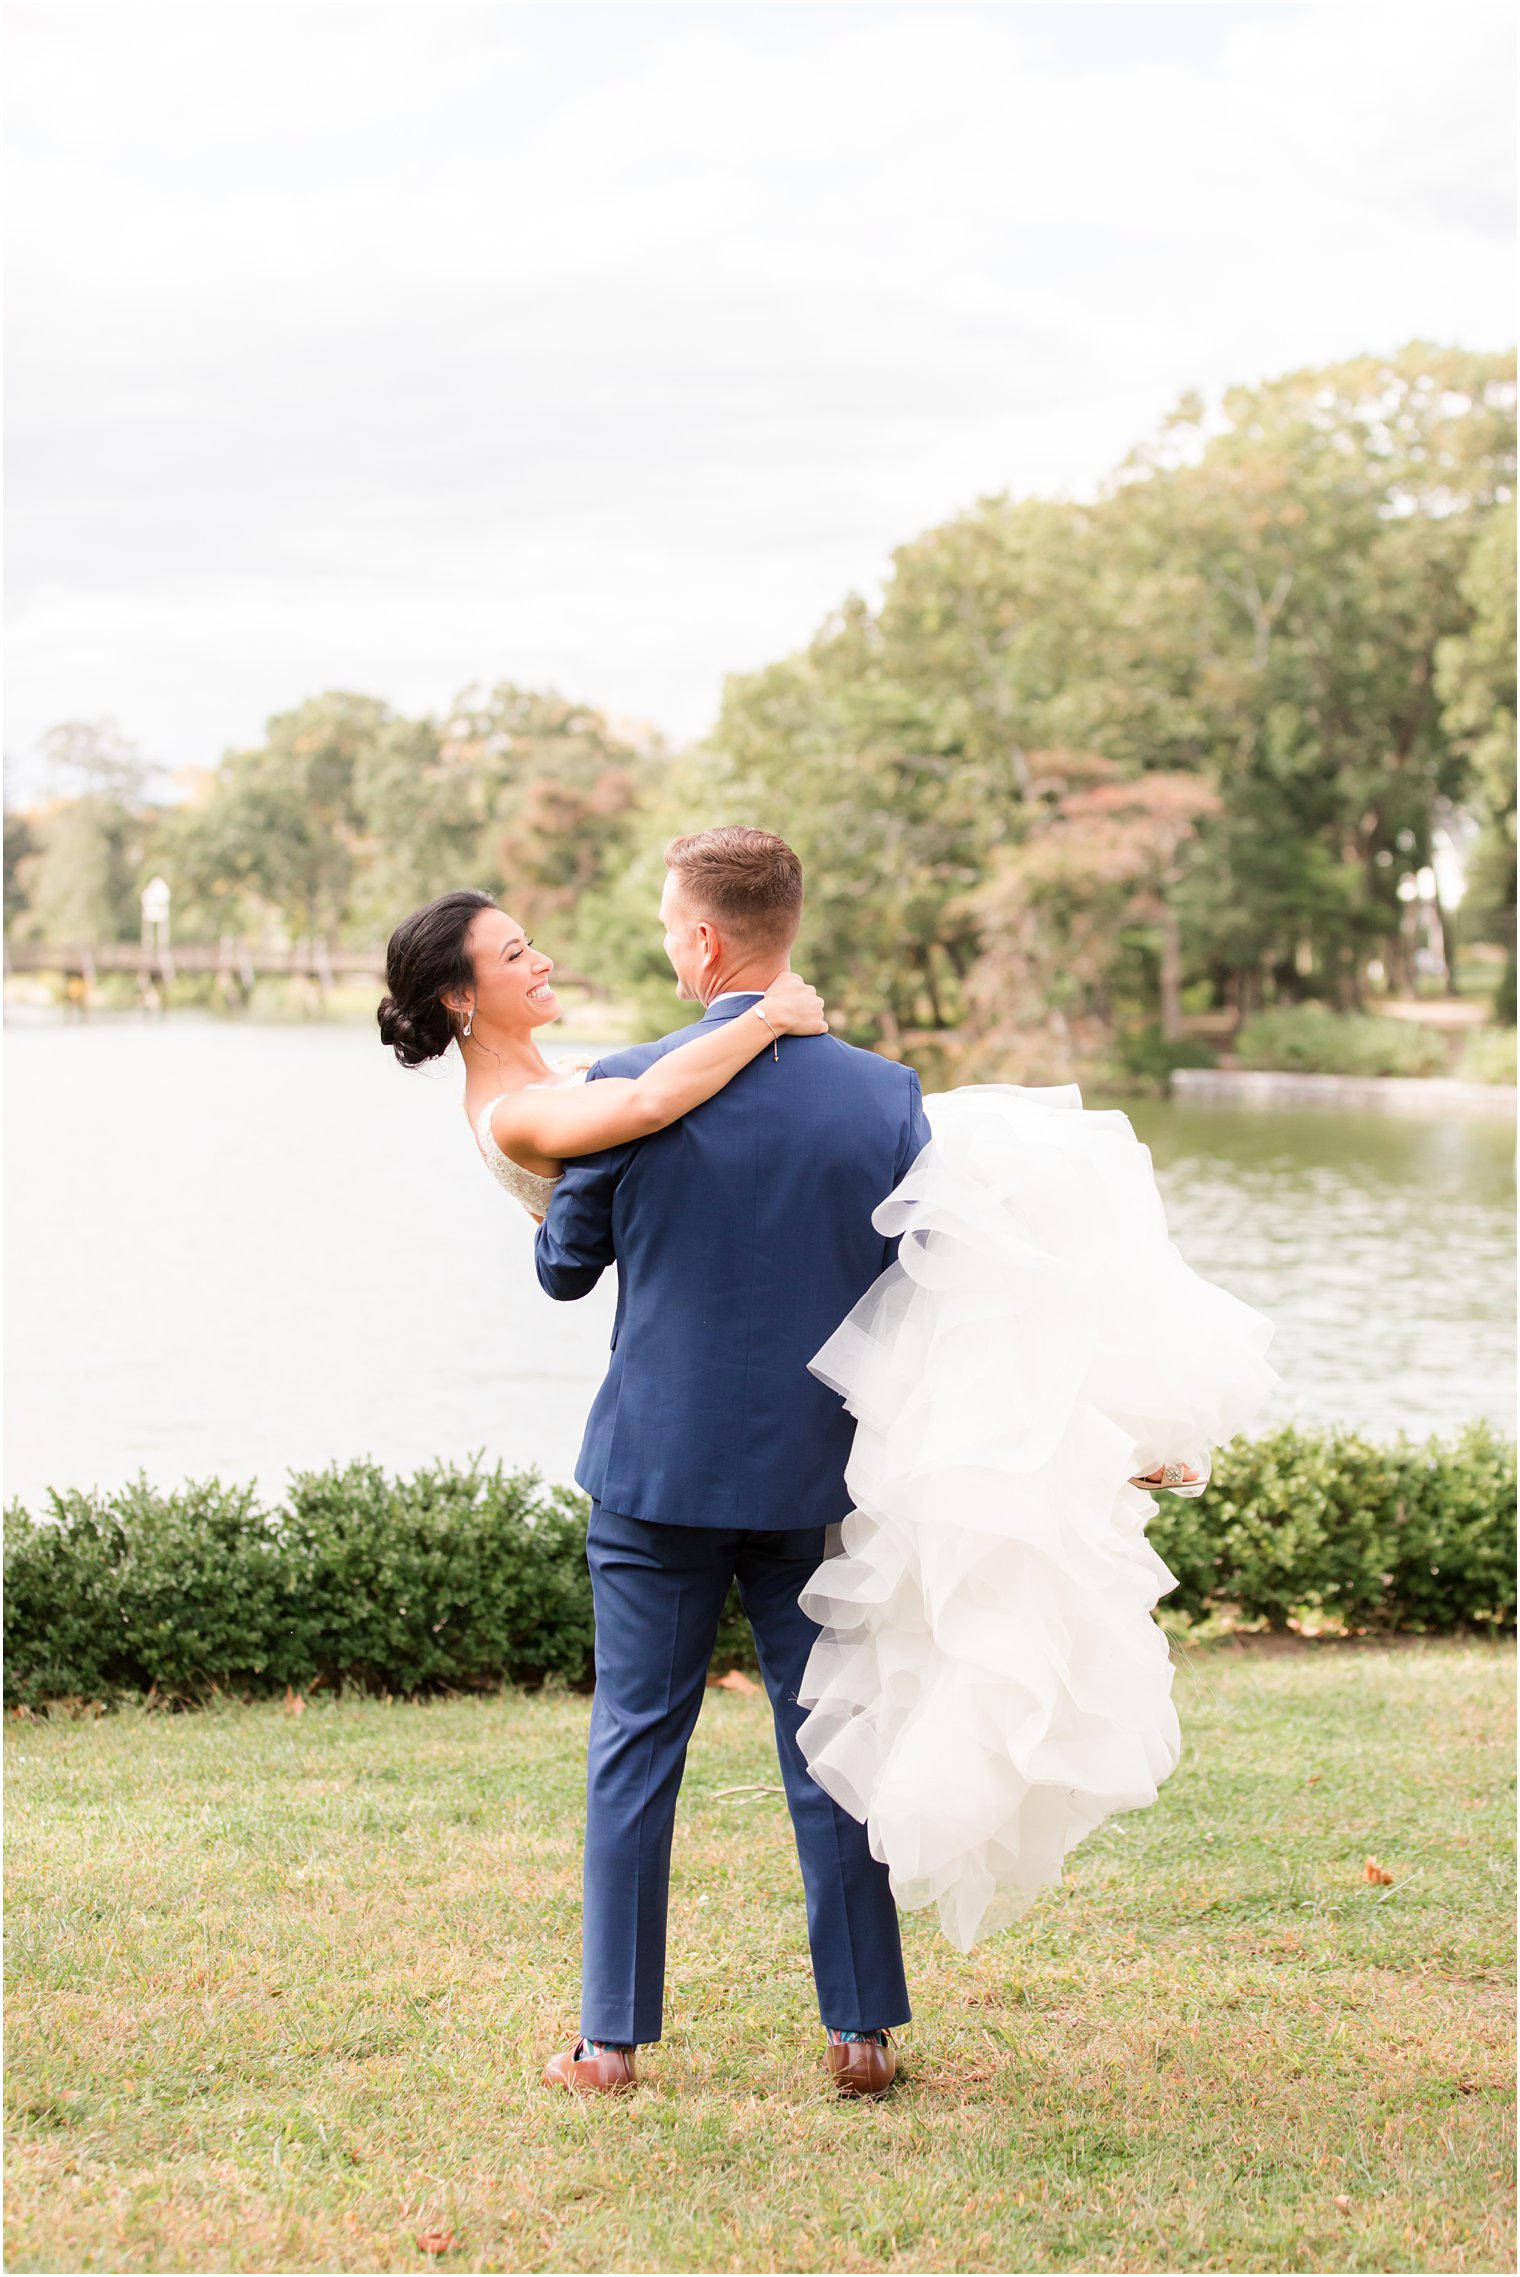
610,2073
861,2067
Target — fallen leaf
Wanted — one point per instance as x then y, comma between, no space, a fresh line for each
1373,1872
435,2241
737,1681
1344,2205
294,1704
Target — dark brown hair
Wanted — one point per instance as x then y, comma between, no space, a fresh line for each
425,960
748,882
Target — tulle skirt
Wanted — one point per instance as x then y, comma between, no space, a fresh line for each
989,1684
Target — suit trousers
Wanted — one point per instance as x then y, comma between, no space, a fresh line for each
659,1593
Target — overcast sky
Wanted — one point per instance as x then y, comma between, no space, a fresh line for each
394,348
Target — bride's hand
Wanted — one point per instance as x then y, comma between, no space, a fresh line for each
793,1008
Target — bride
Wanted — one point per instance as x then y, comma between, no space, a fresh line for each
461,971
987,1685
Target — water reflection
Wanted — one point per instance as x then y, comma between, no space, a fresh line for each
1383,1249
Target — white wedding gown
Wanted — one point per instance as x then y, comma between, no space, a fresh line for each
989,1685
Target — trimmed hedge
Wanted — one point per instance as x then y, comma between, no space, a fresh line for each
452,1578
1326,1528
461,1578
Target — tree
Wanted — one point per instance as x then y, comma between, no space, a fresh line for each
418,821
832,752
556,792
78,885
1475,680
281,829
73,863
1257,599
1324,519
94,757
1103,855
20,842
563,841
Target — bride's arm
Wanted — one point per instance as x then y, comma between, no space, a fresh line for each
557,1124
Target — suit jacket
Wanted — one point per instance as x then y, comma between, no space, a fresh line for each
742,1236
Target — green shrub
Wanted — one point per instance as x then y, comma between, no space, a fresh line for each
1489,1057
1326,1526
459,1577
123,1592
450,1577
1310,1039
1148,1057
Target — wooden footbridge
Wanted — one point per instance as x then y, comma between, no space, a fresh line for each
233,962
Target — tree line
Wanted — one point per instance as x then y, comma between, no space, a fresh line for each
1084,765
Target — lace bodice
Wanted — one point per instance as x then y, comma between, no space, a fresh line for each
525,1186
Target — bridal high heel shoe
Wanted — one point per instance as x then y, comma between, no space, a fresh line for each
1174,1478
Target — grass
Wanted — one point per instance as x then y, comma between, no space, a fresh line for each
280,1988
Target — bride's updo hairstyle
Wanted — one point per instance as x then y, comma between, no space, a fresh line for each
426,960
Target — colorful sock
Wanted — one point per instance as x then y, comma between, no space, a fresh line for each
585,2047
839,2039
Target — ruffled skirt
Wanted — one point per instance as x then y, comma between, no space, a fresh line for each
989,1684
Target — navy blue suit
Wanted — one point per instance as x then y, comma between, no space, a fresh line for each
742,1236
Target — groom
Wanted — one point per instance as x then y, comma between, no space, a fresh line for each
742,1236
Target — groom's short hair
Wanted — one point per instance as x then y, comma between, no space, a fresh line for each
747,882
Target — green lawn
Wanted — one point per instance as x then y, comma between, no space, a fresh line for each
280,1988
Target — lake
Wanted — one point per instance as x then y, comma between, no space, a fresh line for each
245,1249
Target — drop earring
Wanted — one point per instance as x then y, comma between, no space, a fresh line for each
469,1019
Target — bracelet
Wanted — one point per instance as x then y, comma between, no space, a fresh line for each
760,1013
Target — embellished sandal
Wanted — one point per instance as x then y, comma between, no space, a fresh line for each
1174,1478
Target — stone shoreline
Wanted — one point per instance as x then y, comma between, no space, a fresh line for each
1438,1095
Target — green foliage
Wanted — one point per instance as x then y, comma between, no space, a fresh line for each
460,1577
1475,679
120,1592
21,841
74,879
1148,1057
1310,1039
1489,1057
618,935
454,1576
1325,1526
278,830
348,815
1257,602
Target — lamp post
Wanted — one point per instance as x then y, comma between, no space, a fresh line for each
155,931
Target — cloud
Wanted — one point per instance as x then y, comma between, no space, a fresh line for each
399,346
